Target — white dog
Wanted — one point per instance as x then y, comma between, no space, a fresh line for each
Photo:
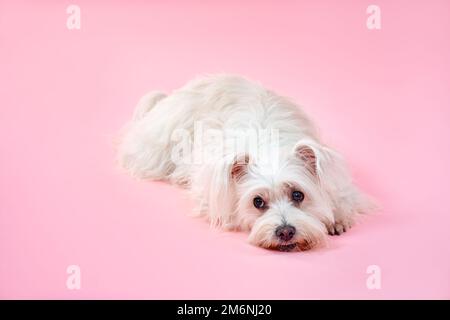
252,160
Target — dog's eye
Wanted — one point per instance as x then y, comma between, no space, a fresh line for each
298,196
258,202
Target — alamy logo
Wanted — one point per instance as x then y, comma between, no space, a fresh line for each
203,146
73,281
374,19
74,18
374,279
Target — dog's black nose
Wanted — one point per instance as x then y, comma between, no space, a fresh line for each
285,233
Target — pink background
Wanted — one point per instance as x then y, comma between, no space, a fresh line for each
381,97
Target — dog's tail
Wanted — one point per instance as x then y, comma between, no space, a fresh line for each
146,103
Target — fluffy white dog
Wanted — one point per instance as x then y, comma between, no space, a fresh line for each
252,160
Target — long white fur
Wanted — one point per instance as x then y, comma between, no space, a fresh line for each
232,103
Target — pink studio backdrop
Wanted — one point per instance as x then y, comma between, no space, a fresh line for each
382,97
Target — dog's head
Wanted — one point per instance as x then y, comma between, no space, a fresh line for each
283,204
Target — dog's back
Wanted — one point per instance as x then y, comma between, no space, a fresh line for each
221,102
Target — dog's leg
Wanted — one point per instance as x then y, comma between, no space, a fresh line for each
349,203
343,221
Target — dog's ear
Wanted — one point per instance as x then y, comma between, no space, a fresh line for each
319,159
240,166
309,153
220,192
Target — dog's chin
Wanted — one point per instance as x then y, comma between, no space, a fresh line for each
288,247
301,245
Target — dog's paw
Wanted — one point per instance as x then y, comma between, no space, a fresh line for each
339,227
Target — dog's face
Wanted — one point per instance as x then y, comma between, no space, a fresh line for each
282,204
